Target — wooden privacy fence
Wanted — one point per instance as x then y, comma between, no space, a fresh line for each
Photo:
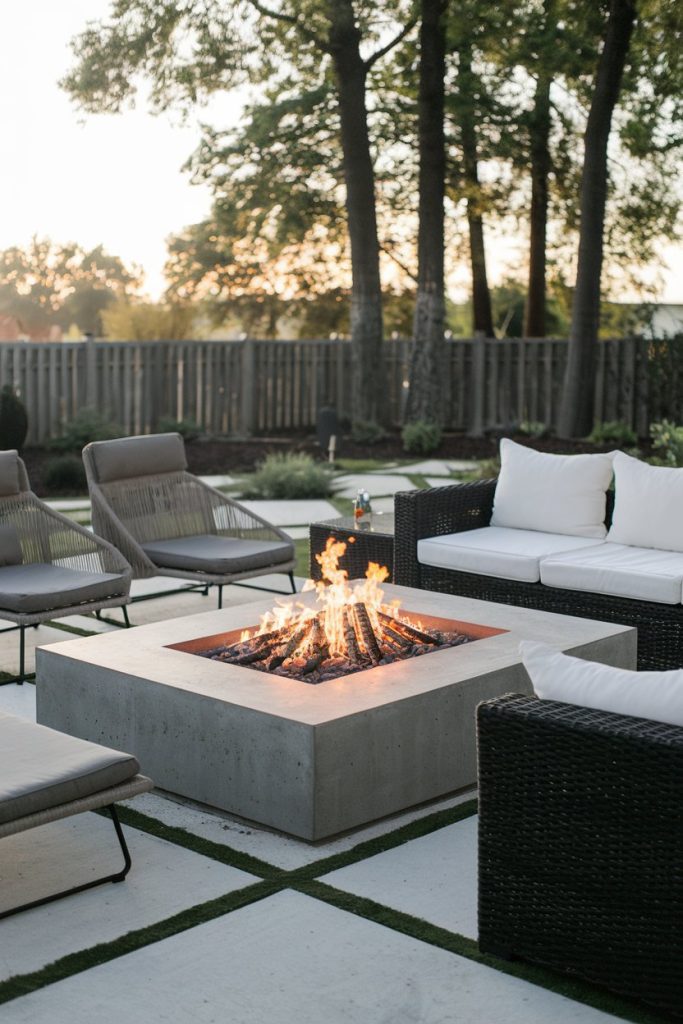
248,387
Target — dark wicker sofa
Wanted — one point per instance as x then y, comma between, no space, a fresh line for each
443,510
581,844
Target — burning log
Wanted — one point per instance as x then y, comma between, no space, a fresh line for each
353,651
416,636
367,633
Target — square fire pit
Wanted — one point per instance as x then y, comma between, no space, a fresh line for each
309,760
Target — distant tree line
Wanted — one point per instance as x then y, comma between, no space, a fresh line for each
384,135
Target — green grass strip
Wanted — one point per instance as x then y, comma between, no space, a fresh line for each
255,866
77,630
84,960
198,844
387,841
572,988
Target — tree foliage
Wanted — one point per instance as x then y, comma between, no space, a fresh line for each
48,284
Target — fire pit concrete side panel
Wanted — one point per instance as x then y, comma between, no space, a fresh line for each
253,764
398,755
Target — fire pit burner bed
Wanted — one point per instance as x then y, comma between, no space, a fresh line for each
304,655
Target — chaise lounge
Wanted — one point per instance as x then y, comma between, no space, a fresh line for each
46,775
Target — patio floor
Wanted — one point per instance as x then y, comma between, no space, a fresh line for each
221,919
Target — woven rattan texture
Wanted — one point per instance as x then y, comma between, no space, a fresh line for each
581,844
361,548
133,511
442,510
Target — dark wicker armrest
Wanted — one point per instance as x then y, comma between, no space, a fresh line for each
581,835
432,512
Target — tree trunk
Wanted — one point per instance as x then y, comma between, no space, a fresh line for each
576,414
368,376
427,361
534,309
539,134
481,297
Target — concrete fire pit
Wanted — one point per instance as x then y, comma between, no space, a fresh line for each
309,760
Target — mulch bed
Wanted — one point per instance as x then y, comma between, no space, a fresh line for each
236,457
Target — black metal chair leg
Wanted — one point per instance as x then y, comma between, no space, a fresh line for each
22,655
125,616
118,876
292,583
220,595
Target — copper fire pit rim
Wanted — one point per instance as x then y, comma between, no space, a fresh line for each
473,630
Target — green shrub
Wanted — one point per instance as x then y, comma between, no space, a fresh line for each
668,439
421,437
189,430
614,432
367,432
289,476
13,419
65,475
533,428
87,425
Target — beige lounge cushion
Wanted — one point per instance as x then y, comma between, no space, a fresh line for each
648,505
10,545
556,676
496,551
143,455
551,493
621,570
218,555
42,768
9,473
38,587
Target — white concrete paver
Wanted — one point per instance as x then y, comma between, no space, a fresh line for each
292,513
164,880
433,877
291,959
9,645
19,700
376,484
219,480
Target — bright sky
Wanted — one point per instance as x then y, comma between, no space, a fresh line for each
116,179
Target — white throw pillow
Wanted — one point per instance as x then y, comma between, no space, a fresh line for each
648,505
553,493
556,676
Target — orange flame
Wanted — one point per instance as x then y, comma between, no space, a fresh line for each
334,596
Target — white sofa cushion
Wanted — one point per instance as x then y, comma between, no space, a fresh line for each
648,506
556,676
496,551
556,493
618,569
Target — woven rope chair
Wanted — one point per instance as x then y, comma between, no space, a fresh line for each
49,566
167,522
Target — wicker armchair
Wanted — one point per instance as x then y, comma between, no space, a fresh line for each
581,844
442,510
166,522
49,566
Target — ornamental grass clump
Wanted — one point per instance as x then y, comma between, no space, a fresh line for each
289,476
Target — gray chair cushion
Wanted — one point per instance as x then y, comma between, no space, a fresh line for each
10,545
218,555
42,768
144,455
38,587
9,473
